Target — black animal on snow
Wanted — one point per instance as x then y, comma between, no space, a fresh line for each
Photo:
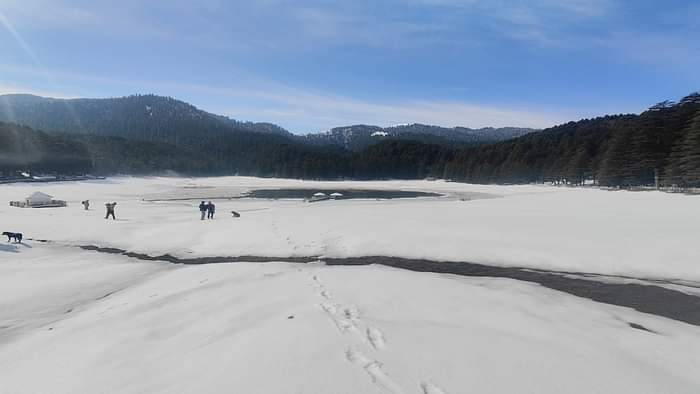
16,236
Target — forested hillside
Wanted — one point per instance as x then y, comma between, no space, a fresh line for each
140,117
662,144
158,119
622,150
25,149
359,137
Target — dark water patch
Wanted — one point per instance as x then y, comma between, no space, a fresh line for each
650,299
607,277
347,194
647,298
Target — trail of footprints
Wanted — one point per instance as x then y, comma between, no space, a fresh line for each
347,320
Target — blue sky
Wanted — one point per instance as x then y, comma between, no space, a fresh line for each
309,65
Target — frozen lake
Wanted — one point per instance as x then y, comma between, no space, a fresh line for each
74,320
345,194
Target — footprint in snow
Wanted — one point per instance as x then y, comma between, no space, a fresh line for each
429,388
329,308
343,325
376,339
374,370
351,312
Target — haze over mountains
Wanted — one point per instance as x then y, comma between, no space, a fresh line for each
150,134
163,119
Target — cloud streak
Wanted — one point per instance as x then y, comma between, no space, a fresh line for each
327,111
303,110
314,64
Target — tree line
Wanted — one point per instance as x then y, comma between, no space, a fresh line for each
661,145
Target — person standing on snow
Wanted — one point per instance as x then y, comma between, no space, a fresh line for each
86,204
202,209
110,210
211,208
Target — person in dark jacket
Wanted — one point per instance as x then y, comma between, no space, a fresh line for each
110,210
202,209
211,208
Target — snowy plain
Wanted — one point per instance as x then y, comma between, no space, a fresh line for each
74,321
642,234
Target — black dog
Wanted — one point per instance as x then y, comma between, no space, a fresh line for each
16,236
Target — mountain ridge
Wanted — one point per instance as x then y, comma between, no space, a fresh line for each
660,146
165,119
358,137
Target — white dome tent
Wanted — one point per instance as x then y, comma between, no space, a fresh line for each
38,200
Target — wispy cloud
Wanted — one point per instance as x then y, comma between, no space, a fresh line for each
229,56
299,25
327,112
304,110
282,25
15,89
653,49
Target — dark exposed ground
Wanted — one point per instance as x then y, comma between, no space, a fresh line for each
650,299
647,298
213,193
347,193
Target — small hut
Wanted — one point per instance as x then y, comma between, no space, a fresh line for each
336,195
38,200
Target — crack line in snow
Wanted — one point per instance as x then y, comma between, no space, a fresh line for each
647,298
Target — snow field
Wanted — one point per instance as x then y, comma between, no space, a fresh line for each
74,321
280,328
643,234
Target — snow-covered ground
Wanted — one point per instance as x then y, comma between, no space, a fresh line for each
643,234
74,321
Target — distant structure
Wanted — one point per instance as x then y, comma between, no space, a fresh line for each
319,197
39,200
336,195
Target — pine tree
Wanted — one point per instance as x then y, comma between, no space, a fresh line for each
579,167
647,151
684,167
616,167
